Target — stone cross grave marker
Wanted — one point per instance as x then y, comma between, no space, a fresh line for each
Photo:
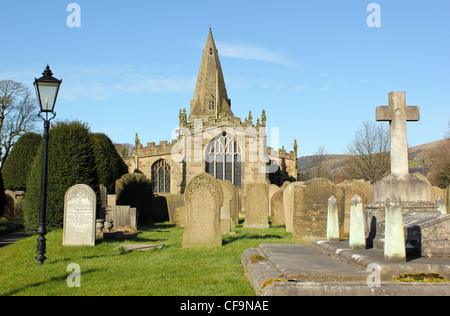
79,216
397,114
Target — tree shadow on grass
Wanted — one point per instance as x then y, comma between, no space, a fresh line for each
228,239
53,279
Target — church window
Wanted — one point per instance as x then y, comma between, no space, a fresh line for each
210,51
223,159
161,177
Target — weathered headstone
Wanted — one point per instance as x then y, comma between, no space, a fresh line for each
397,114
440,201
277,209
288,204
332,220
311,209
122,216
111,199
407,186
180,216
357,230
273,188
103,196
394,244
420,215
257,206
79,216
203,200
173,202
229,211
352,187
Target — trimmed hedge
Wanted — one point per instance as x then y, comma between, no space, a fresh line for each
17,167
71,161
110,166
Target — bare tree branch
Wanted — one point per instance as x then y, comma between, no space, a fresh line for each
369,153
17,114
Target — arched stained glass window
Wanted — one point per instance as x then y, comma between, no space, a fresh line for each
223,159
161,177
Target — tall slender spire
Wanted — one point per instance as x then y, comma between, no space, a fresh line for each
210,97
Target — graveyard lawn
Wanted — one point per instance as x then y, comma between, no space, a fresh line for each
170,271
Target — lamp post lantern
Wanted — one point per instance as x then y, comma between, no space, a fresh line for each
47,88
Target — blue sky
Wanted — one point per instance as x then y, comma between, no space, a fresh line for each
316,67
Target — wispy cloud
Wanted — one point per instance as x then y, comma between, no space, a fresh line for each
108,81
324,88
103,82
245,51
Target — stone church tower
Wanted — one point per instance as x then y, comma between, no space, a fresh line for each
213,140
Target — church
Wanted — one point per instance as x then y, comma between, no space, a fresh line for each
212,140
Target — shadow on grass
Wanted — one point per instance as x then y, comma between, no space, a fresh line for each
228,239
53,279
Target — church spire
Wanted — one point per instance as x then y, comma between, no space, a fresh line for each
210,97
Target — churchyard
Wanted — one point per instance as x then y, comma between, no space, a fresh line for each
108,269
303,238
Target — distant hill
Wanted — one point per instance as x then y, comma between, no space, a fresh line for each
307,162
420,150
418,159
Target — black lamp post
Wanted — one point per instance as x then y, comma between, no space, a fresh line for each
47,89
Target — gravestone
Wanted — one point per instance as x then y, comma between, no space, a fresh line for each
440,201
79,216
425,226
229,211
311,209
111,200
122,216
288,204
357,238
103,196
273,188
394,245
407,186
203,200
257,206
351,188
180,216
277,209
332,220
173,202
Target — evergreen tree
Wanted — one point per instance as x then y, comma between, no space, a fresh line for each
17,167
71,161
110,166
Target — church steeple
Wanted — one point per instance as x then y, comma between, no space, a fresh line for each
210,97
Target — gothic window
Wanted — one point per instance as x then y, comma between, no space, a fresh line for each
211,105
223,159
161,177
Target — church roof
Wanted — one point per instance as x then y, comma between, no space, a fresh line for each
210,96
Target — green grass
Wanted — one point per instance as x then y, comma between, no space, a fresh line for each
170,271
